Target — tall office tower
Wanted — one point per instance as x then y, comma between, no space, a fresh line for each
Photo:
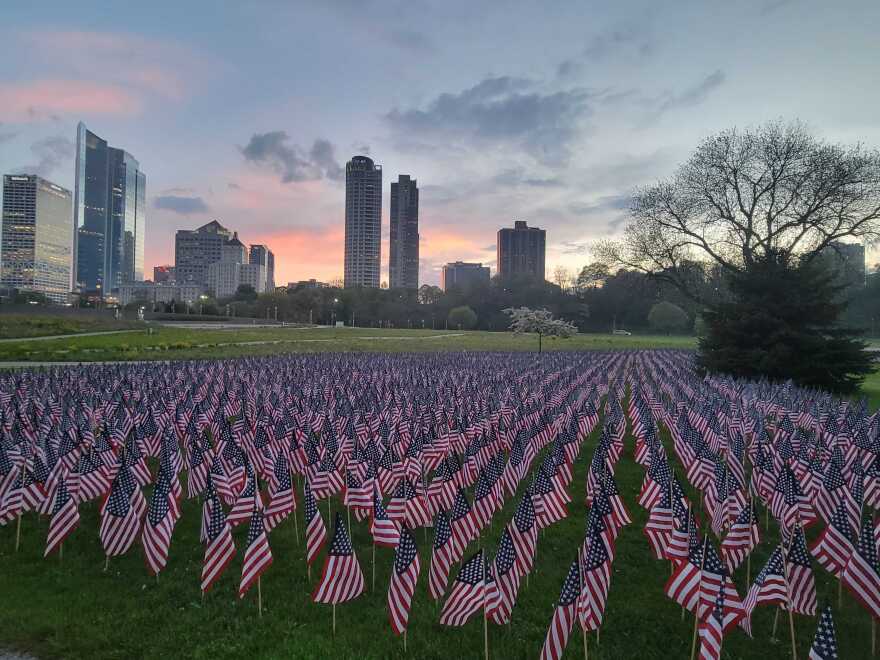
403,260
36,253
196,249
463,275
110,215
261,254
521,251
363,222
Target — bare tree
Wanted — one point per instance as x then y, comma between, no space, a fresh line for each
561,277
744,195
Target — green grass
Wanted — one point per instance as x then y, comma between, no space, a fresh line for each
176,343
14,325
70,608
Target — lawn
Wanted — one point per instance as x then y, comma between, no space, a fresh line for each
166,343
44,325
71,608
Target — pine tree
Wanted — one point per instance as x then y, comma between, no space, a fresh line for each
781,322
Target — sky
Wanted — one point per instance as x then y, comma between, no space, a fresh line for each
553,113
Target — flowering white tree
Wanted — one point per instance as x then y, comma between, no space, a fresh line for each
539,322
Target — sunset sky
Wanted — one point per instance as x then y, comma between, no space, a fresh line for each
246,112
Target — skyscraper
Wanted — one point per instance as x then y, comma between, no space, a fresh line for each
403,260
110,215
521,251
196,249
464,275
35,249
363,222
261,254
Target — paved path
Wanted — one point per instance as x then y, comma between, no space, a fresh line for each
71,335
34,364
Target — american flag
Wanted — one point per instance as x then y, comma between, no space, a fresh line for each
524,533
564,615
444,553
712,630
282,501
247,499
596,582
220,547
159,525
507,579
316,533
769,587
861,573
468,594
341,579
801,585
825,642
660,526
833,547
741,539
257,555
404,576
714,579
683,585
121,514
65,518
461,520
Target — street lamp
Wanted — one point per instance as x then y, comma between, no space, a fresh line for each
333,313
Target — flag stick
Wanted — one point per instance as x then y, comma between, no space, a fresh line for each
873,636
309,570
106,563
348,517
775,621
260,596
788,594
839,593
373,587
404,642
293,486
598,638
334,619
61,551
485,615
696,614
329,515
18,531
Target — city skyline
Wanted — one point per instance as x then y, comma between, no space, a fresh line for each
553,117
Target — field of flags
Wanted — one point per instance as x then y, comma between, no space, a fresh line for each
473,504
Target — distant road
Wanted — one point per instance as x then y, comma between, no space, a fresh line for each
68,336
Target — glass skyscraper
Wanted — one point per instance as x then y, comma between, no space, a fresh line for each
35,248
110,216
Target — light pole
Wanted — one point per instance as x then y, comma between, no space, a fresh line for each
333,313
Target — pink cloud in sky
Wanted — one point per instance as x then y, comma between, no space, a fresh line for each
40,98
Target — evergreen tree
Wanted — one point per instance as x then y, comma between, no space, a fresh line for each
781,322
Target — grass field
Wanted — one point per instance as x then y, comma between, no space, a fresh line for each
168,343
70,608
34,325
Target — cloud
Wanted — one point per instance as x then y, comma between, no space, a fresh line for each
695,94
771,6
274,151
51,153
43,98
411,40
322,155
517,177
6,137
500,110
180,204
630,40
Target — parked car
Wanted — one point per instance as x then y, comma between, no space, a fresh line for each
621,332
